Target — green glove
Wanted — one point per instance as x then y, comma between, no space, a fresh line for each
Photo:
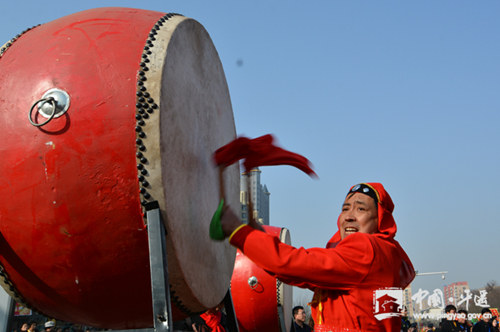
216,232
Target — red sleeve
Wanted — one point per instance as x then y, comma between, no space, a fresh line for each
341,267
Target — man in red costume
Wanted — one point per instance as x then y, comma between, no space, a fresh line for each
360,259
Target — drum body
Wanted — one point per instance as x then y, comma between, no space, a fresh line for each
149,104
257,296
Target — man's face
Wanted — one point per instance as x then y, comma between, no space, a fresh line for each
451,314
461,318
359,214
300,316
487,317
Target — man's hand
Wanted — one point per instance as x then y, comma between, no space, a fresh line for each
255,225
229,222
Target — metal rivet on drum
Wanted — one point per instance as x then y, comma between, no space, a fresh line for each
138,117
138,128
141,73
141,99
142,147
145,183
144,56
144,172
252,282
140,166
145,68
150,110
147,196
138,154
142,134
141,178
150,100
142,190
146,60
149,52
145,115
152,38
141,111
143,78
138,141
142,64
141,122
142,88
157,26
138,105
146,48
144,203
139,94
146,94
143,160
144,105
154,106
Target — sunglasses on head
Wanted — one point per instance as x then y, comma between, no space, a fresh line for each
366,189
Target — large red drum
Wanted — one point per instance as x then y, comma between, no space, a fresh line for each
261,302
141,102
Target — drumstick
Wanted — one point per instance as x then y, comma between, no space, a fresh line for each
221,183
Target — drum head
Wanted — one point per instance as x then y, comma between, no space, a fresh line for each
195,119
149,105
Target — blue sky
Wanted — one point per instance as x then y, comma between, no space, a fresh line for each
405,93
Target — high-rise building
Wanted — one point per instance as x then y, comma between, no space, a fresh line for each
454,291
260,197
407,300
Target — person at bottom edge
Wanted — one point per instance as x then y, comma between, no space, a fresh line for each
299,320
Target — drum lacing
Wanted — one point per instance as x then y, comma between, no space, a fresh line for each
145,105
10,42
9,287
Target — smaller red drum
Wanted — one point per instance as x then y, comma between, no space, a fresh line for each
258,297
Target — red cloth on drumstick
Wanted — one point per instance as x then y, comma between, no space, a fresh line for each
260,151
213,320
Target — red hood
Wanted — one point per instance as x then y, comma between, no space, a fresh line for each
387,230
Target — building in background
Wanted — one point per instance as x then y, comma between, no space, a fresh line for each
454,291
407,301
260,197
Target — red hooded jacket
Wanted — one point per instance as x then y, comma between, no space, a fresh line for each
345,276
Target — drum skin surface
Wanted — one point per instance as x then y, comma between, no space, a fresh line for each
73,236
256,306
